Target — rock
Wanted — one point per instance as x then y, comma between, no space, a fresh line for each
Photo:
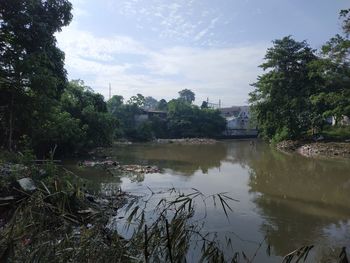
27,184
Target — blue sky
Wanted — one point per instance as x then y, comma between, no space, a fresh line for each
159,47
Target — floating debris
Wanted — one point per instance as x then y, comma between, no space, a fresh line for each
105,163
142,169
191,141
114,166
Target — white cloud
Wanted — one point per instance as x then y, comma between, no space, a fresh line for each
217,73
84,44
179,20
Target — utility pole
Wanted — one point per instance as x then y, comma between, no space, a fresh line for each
110,91
219,104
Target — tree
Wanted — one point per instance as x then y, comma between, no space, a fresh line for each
280,100
32,74
187,95
90,108
332,72
138,100
115,104
162,105
204,105
150,103
185,120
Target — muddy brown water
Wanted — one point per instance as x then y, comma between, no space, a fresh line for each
289,199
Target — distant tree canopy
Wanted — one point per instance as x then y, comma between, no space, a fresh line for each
150,103
300,89
187,95
138,100
162,105
183,120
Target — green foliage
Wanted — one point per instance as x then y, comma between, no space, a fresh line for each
301,90
32,74
97,126
162,105
58,128
332,72
143,132
185,120
150,103
281,97
204,105
138,100
280,135
159,127
336,133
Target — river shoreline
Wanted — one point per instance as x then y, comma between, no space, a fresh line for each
316,149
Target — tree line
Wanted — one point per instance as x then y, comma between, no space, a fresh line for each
177,118
302,87
40,108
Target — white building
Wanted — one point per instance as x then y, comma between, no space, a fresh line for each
238,121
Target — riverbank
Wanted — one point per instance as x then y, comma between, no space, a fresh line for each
316,149
47,215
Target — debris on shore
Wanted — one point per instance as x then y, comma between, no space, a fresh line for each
191,141
113,165
316,149
288,145
330,149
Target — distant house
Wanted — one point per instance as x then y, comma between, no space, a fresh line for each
238,121
158,113
145,115
345,120
230,111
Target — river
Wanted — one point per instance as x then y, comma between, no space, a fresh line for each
288,199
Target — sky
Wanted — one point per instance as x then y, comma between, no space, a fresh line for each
159,47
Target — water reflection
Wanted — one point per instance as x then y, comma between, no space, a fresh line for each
299,198
182,159
292,200
294,177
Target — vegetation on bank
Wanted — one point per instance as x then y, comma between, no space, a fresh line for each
58,220
178,118
302,88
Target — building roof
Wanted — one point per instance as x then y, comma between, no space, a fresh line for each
230,111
